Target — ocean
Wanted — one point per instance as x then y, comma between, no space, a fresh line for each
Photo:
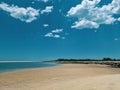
13,66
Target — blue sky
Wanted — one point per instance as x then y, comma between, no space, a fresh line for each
51,29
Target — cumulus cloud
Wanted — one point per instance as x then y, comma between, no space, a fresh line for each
57,31
55,34
49,35
52,35
45,1
116,39
85,24
45,25
48,9
27,15
91,16
118,19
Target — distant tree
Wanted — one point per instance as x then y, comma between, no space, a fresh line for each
107,59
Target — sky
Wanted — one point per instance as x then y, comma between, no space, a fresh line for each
52,29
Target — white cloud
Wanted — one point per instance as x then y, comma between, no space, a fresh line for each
48,9
45,1
57,31
33,2
49,35
118,19
52,35
85,24
91,16
45,25
116,39
55,34
27,15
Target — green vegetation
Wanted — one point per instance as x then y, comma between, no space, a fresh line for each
106,61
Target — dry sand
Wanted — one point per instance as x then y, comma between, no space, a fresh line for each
65,77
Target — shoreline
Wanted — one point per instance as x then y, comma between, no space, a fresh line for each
27,69
60,77
15,69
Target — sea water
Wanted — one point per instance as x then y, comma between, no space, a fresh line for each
13,66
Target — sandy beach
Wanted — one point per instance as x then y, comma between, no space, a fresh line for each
64,77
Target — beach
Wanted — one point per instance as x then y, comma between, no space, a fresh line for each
63,77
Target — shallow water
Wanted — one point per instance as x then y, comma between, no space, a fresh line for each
13,66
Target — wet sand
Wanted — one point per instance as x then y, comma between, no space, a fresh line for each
65,77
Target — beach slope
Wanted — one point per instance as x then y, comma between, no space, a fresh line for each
65,77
